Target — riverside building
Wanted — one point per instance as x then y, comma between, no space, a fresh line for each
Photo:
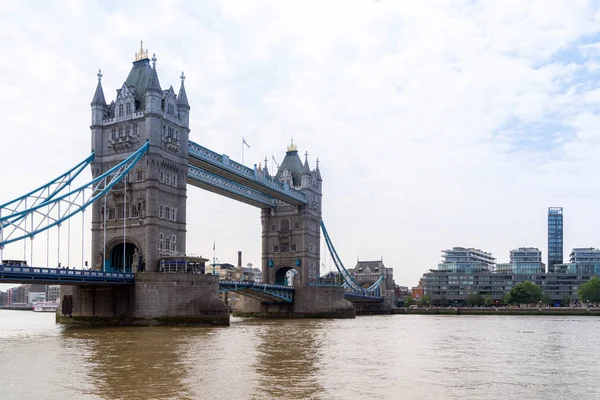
453,281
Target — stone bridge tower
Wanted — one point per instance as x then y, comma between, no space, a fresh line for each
151,204
291,234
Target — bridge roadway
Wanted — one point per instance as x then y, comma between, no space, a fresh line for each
58,276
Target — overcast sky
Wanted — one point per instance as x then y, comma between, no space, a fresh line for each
436,123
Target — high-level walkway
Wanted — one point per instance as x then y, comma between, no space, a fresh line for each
219,174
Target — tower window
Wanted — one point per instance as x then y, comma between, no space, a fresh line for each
170,109
128,108
160,211
140,175
120,110
121,210
128,130
121,132
114,133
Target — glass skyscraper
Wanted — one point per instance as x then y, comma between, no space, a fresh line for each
555,237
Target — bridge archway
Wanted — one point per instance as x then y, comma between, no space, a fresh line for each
115,256
286,276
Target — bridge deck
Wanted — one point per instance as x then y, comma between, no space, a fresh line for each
362,298
59,276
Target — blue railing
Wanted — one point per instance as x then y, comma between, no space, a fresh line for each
12,273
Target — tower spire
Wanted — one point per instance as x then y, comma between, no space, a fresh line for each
306,168
153,84
182,99
98,99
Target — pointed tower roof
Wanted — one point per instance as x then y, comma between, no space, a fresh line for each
318,171
292,163
182,99
140,74
153,83
98,99
306,168
265,170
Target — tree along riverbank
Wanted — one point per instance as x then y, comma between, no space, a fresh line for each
500,311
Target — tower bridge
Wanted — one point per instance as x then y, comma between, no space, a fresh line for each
142,163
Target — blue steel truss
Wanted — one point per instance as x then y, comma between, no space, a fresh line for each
43,193
58,276
259,291
208,179
223,162
60,207
349,281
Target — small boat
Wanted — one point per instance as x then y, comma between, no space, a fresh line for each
45,306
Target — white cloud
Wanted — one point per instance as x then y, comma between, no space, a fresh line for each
423,114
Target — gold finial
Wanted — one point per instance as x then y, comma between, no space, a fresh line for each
292,147
142,54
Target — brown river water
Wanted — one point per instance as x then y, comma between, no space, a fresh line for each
377,357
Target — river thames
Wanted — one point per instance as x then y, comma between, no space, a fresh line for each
379,357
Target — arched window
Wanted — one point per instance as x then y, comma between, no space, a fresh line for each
285,225
128,108
114,133
120,110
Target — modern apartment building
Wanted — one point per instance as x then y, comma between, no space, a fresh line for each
524,260
462,259
555,237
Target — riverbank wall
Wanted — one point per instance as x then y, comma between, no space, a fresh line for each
498,311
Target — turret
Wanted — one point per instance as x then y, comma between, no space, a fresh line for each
306,174
153,91
266,170
99,107
183,107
